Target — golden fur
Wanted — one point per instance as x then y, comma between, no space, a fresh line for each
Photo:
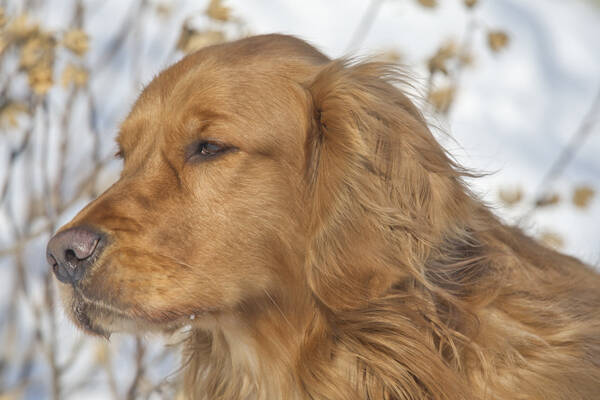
333,253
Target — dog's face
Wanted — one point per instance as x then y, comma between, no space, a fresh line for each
253,170
206,213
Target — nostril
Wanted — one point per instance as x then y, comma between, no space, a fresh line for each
82,247
55,269
68,252
70,255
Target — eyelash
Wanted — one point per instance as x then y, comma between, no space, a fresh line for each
205,150
209,149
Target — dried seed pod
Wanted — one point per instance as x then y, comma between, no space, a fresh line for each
582,196
497,40
77,41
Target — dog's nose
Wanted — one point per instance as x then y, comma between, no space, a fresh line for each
70,252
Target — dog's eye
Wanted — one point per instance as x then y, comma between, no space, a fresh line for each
205,150
208,149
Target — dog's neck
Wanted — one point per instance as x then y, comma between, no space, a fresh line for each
249,355
264,356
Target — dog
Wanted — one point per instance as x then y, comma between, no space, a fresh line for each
297,217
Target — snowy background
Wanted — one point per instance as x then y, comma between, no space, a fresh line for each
516,109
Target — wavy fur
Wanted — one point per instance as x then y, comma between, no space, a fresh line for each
420,292
347,258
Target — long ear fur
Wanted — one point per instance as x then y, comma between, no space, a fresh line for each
384,195
376,173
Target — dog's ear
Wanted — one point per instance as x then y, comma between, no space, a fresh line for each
377,179
381,188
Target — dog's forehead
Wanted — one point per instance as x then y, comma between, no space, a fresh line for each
266,54
245,80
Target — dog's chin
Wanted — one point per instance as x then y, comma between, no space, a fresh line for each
98,318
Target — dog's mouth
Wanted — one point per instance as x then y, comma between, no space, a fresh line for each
99,318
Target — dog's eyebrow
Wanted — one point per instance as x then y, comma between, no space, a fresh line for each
172,168
202,125
202,118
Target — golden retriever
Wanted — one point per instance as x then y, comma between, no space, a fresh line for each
298,215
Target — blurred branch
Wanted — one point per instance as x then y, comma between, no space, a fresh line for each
112,382
139,368
74,353
365,25
568,153
55,195
464,48
83,191
120,39
83,383
33,183
14,155
51,343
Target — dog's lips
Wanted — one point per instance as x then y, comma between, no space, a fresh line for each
87,314
100,319
81,313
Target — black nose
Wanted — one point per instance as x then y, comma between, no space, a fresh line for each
70,252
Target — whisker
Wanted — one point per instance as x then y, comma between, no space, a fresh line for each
196,269
278,308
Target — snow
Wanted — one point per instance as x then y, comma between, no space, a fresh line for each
514,113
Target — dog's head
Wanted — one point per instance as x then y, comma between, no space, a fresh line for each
247,168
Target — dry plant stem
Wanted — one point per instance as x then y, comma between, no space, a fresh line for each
139,368
65,124
365,25
8,321
20,292
14,155
163,389
51,343
63,149
55,195
86,187
93,125
21,278
44,171
464,48
585,129
47,309
137,33
96,156
22,241
112,382
73,354
34,135
166,383
120,38
83,383
455,74
84,190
